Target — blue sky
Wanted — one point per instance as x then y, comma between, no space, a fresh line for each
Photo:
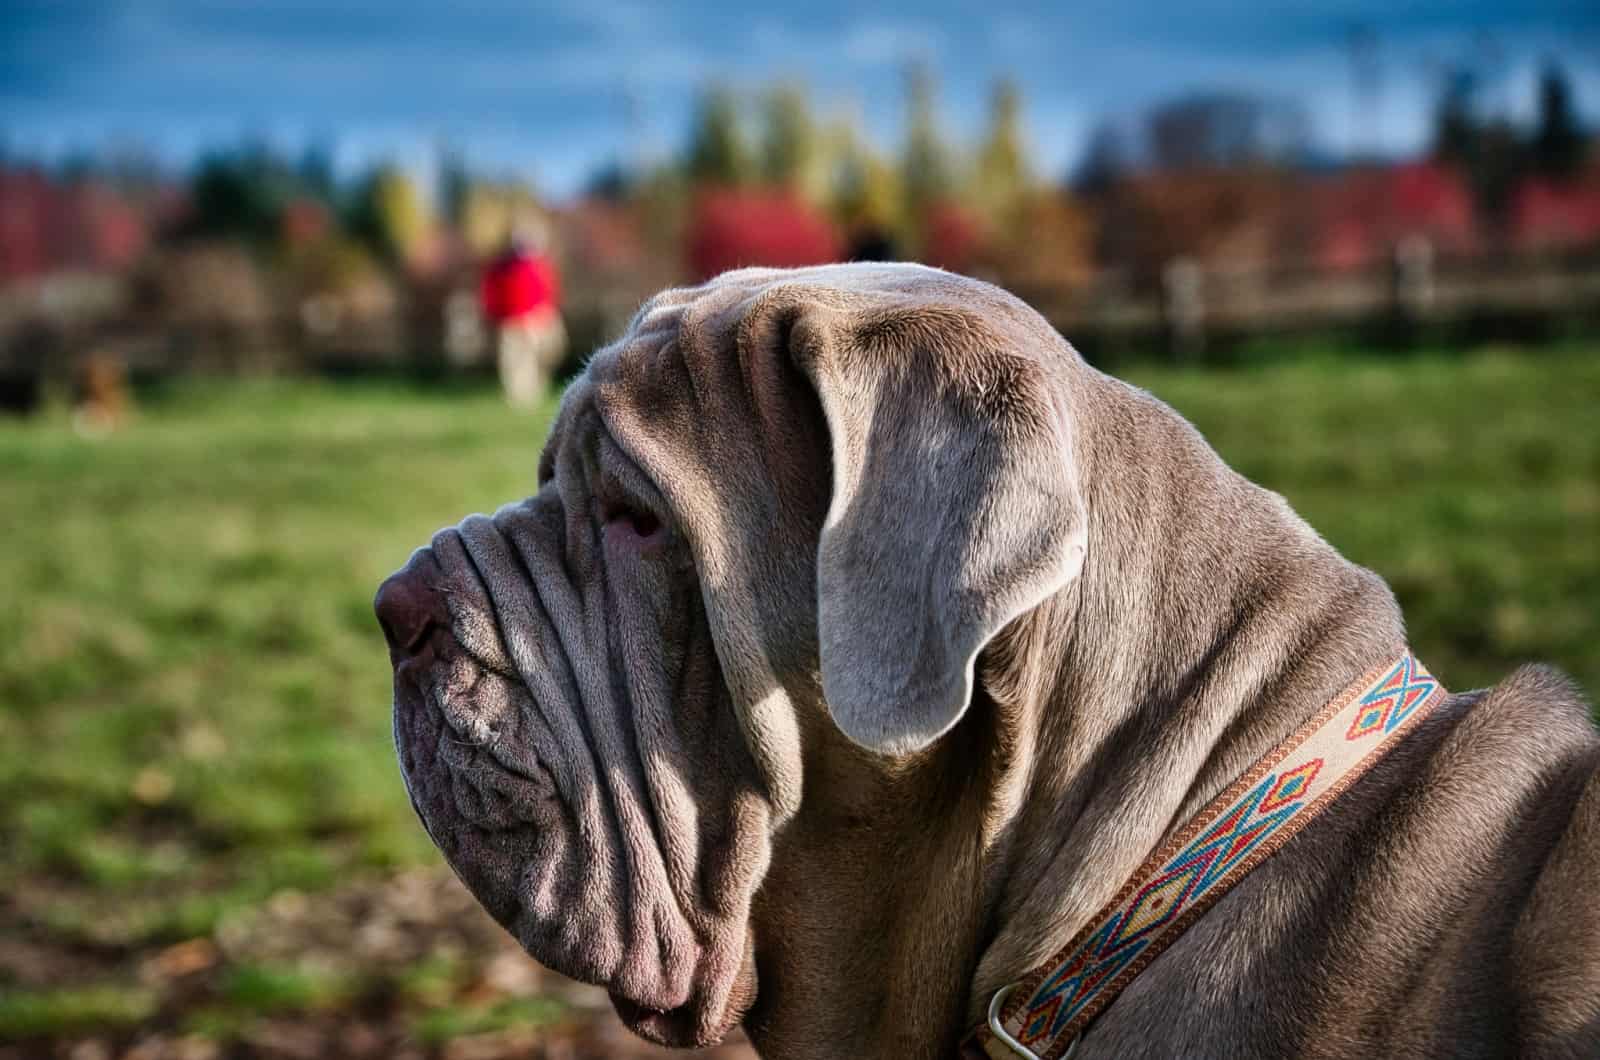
540,88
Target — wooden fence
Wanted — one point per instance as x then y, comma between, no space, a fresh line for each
1188,312
1191,311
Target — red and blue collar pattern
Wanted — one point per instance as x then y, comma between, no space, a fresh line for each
1042,1015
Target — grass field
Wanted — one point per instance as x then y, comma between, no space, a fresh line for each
194,728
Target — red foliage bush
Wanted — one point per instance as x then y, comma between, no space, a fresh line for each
953,238
731,228
1554,215
46,225
1365,213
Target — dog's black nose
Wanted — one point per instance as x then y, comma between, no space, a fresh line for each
410,606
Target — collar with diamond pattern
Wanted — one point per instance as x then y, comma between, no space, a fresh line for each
1041,1016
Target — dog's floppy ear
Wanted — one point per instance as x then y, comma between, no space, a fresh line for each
954,509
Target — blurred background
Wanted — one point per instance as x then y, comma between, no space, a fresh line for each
285,287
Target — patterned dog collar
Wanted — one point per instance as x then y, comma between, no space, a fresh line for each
1041,1016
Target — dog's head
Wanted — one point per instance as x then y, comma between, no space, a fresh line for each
775,523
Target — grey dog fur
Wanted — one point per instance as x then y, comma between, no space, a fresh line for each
945,631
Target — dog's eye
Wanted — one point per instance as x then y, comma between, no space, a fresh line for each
630,520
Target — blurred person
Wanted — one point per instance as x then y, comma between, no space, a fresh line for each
521,296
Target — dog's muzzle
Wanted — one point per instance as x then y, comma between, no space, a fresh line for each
529,776
450,712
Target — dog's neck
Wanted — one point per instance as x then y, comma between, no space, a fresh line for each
1208,624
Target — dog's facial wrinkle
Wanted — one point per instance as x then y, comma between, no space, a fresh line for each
612,716
522,618
608,713
464,608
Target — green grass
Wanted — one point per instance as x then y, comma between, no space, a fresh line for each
25,1014
194,697
457,1021
265,988
195,693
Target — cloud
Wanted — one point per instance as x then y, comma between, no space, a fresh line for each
545,78
878,42
1016,35
629,67
608,19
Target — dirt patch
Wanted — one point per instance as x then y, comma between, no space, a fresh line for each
403,967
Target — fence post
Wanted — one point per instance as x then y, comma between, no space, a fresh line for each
1183,282
466,340
1413,278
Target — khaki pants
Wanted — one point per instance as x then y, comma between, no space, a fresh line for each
531,348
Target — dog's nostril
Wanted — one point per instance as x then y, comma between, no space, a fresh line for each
407,608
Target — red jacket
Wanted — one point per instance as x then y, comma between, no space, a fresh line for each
517,285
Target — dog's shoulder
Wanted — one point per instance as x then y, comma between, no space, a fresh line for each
1545,691
1534,724
1525,754
1554,948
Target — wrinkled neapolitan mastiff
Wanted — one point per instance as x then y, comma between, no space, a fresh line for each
870,671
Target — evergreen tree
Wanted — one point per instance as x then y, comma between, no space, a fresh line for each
1558,140
1455,124
454,180
241,194
718,153
1105,160
925,166
1490,152
315,172
1003,175
866,188
790,147
610,183
388,214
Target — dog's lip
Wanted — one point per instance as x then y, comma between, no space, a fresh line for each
632,1009
665,1026
683,1026
675,1028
